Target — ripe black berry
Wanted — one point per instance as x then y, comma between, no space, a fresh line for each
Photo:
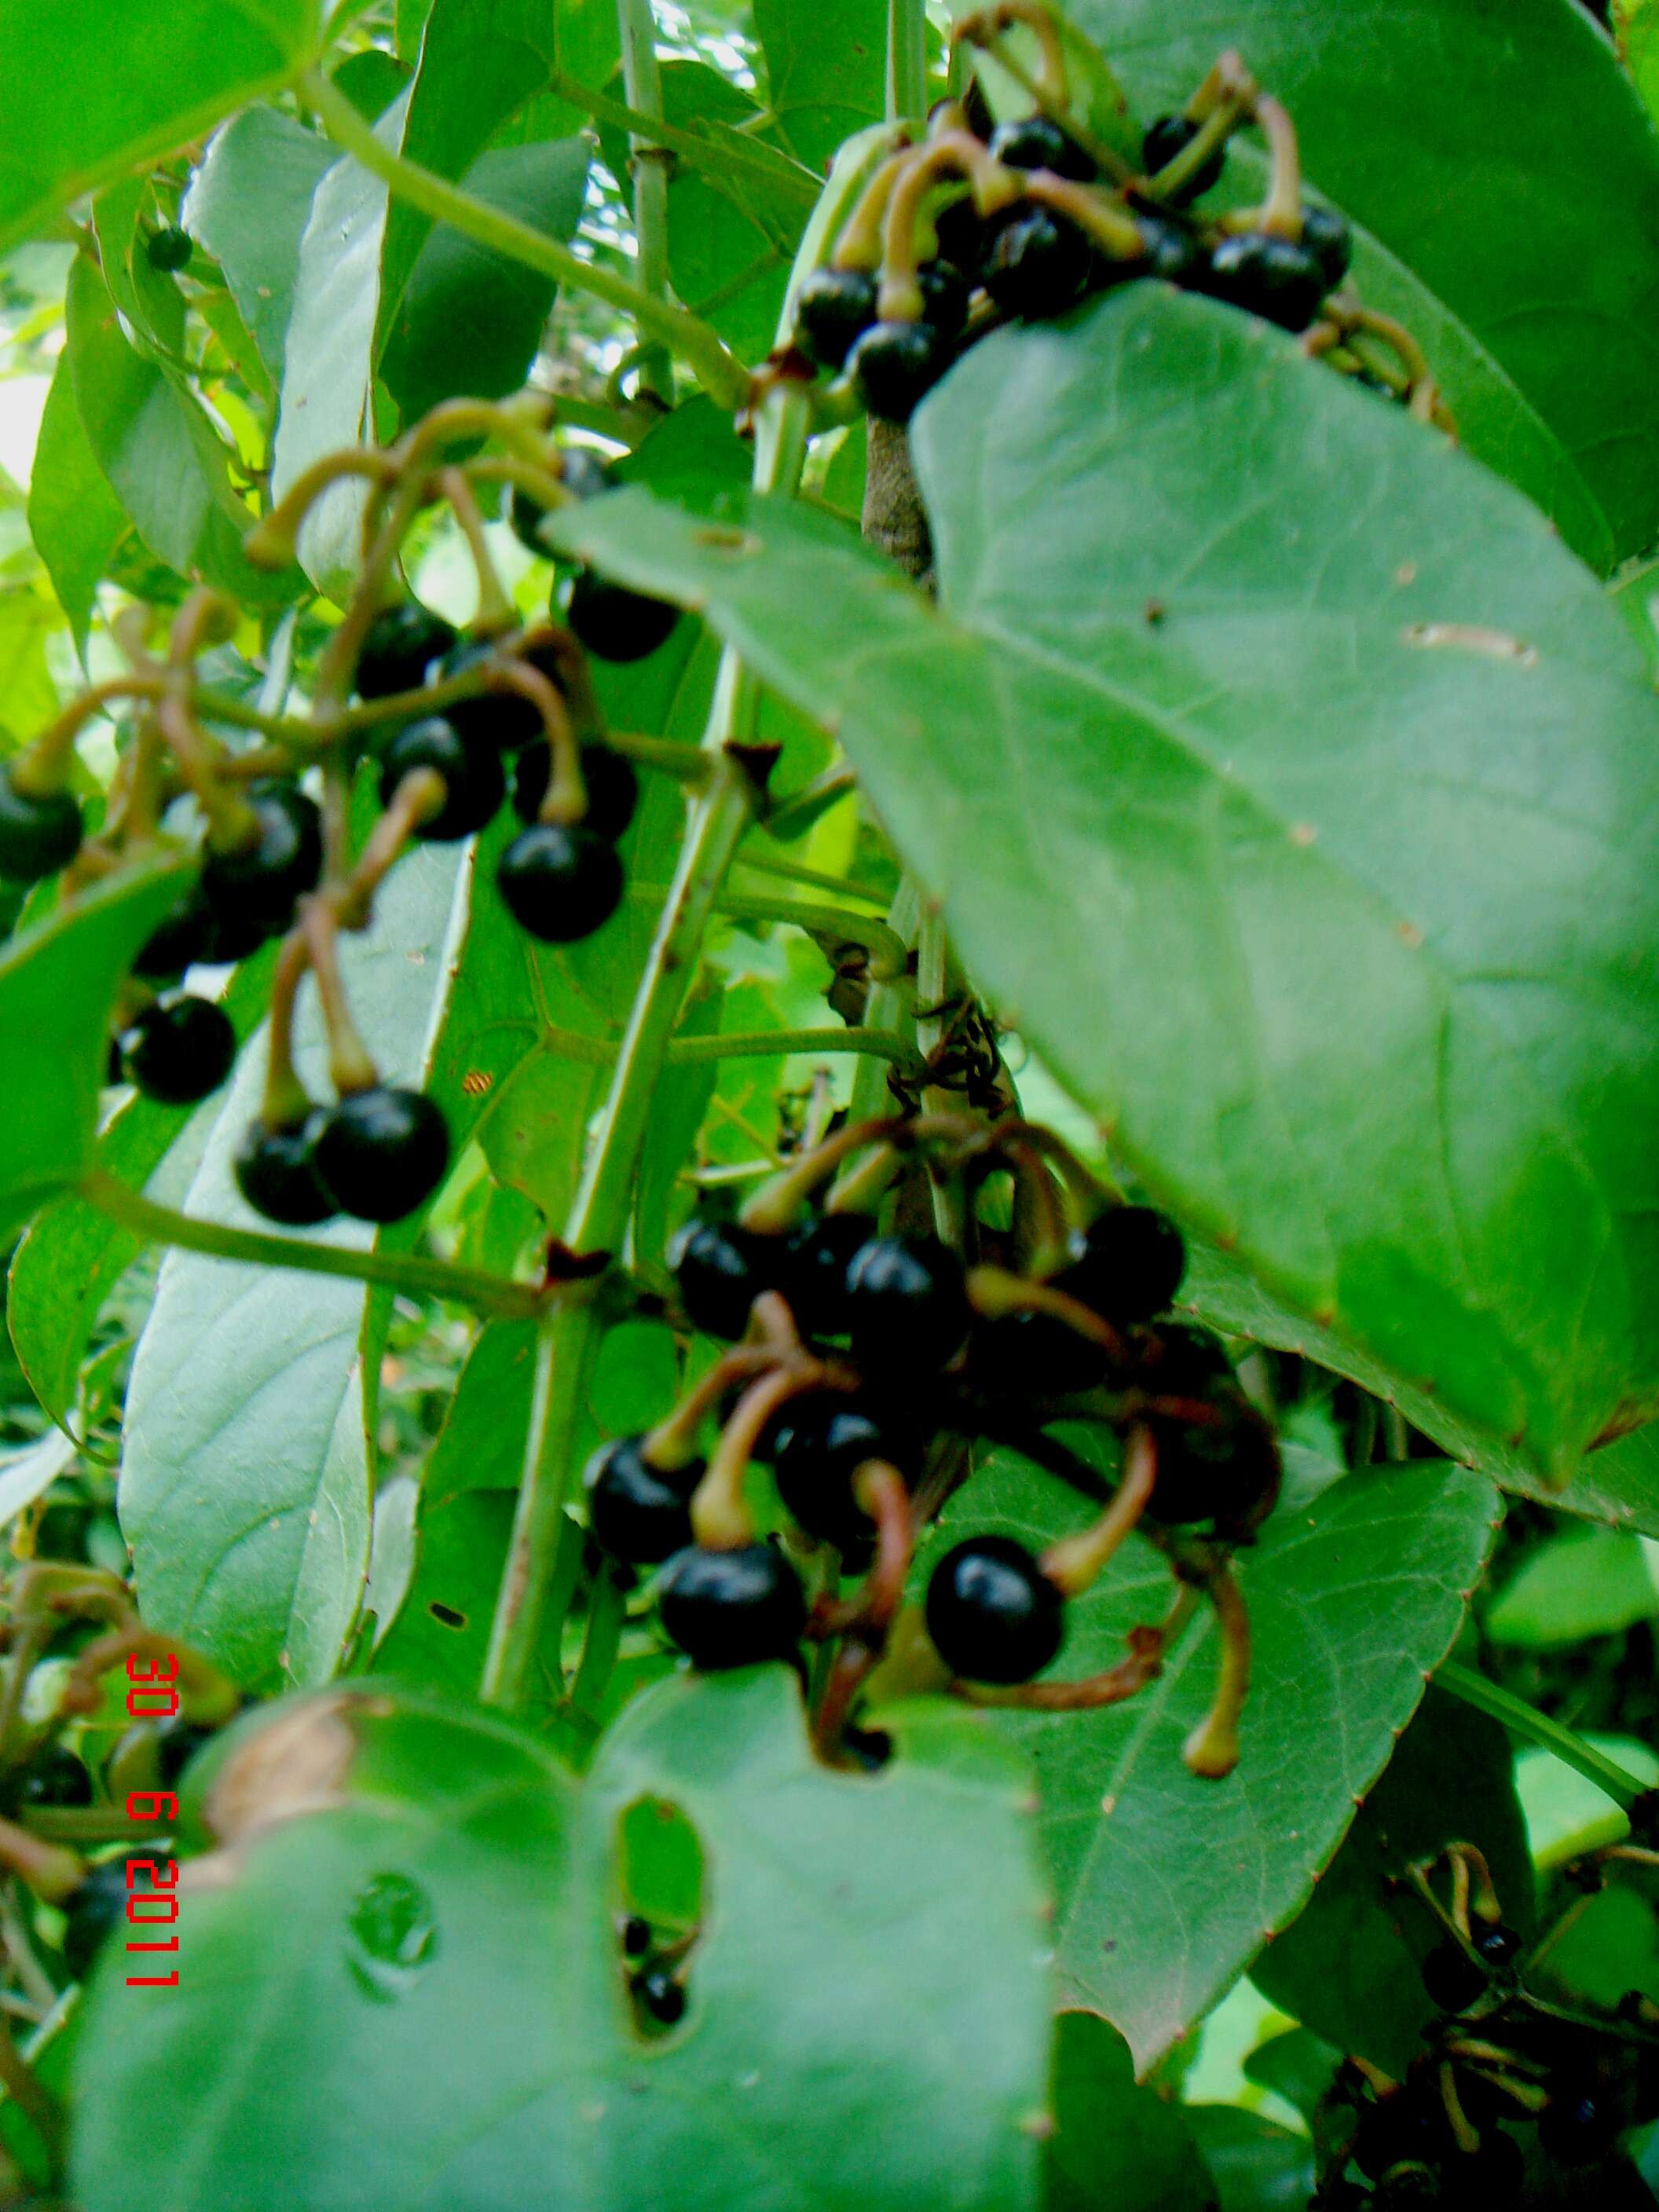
732,1609
401,644
1129,1266
944,295
1328,237
1497,1945
179,1049
1171,135
612,788
963,235
275,1174
1180,1360
584,474
993,1614
909,1310
639,1513
255,886
168,251
37,836
1035,1355
822,1442
1218,1472
635,1936
504,719
615,624
1038,143
721,1268
55,1776
1038,266
661,1995
473,778
1452,1981
1171,252
100,1905
895,366
833,310
560,881
1277,278
178,941
820,1253
381,1153
1576,2126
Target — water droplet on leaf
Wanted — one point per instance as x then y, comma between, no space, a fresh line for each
391,1936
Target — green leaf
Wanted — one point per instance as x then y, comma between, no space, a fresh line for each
248,204
28,697
826,63
1593,1582
465,2023
75,519
1637,22
1114,2144
1169,1885
250,1532
59,981
1566,1814
1255,2165
1349,1966
1532,285
1232,831
108,85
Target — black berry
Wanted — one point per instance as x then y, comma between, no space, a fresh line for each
275,1174
584,474
963,235
1035,1355
721,1268
1038,143
179,1049
168,251
944,295
615,624
505,719
1576,2126
1495,1943
560,881
1217,1471
896,365
37,836
833,310
909,1310
1328,237
474,781
661,1995
401,644
1129,1265
1277,278
255,886
635,1936
637,1512
820,1253
100,1905
1171,135
55,1776
612,788
381,1152
993,1614
178,941
1452,1980
1038,266
822,1442
732,1609
1180,1360
1171,252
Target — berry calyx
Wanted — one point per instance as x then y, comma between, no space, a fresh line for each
168,251
896,365
275,1173
908,1308
1038,142
993,1614
1171,135
474,781
833,310
661,1995
179,940
615,624
819,1254
561,881
822,1442
401,644
38,834
720,1268
254,886
380,1153
179,1049
1452,1980
1280,279
99,1905
1327,236
608,777
1038,266
1129,1266
732,1609
55,1776
639,1513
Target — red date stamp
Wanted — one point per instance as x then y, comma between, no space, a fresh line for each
152,1903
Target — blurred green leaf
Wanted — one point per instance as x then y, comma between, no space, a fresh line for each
75,519
1566,1814
1256,2166
1591,1583
1114,2144
249,205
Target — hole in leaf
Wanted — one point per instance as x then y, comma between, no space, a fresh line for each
659,1909
447,1614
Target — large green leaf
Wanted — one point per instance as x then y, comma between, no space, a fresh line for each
825,70
443,2014
57,987
245,1481
95,89
249,205
75,519
1167,1884
1289,786
1114,2144
1533,275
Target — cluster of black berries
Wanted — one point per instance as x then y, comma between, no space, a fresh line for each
612,622
655,1973
1032,260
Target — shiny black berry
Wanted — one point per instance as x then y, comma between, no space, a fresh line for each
819,1254
637,1512
1495,1943
732,1609
833,310
1129,1266
1327,235
1221,1471
1170,252
1577,2125
909,1310
401,644
381,1152
255,886
1038,143
615,624
964,235
660,1995
54,1776
721,1268
896,365
474,781
822,1442
275,1173
612,788
179,940
944,295
1453,1981
560,881
99,1906
505,719
1277,278
179,1049
168,251
992,1614
635,1936
1171,135
37,836
1038,266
